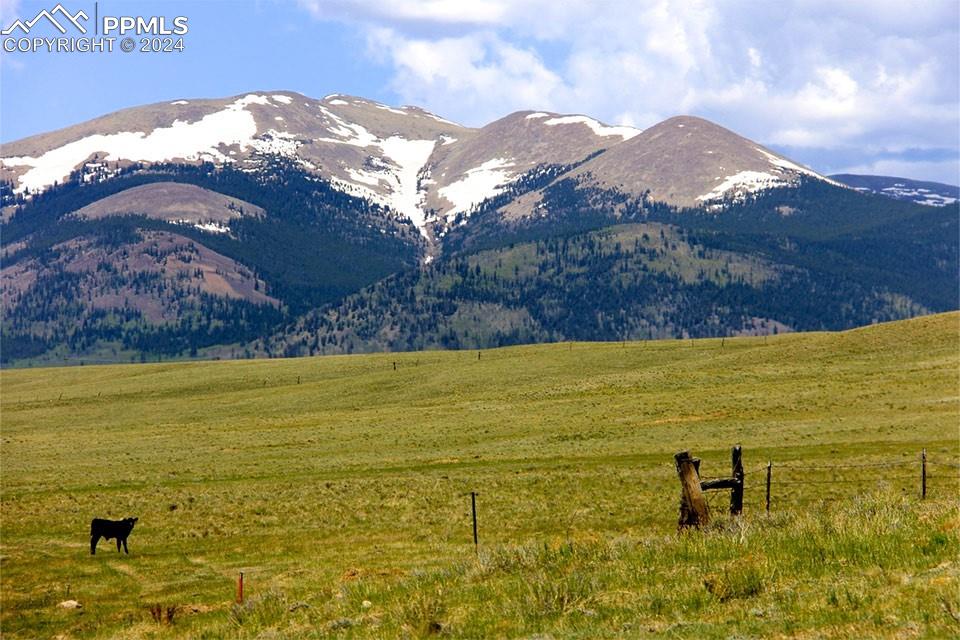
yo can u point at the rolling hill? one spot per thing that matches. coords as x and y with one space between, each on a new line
341 486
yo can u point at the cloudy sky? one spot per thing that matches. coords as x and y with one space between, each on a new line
853 86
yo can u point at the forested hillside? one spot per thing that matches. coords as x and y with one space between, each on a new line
808 258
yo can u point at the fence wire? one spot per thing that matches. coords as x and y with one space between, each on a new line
845 465
952 465
838 473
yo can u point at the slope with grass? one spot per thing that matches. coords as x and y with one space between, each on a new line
340 487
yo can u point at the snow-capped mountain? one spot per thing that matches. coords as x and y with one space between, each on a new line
273 223
362 146
420 165
933 194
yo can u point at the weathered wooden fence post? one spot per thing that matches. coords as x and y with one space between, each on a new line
769 471
736 492
693 506
923 475
473 506
240 588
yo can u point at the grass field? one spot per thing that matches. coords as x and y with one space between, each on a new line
340 487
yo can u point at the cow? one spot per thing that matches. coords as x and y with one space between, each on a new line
119 529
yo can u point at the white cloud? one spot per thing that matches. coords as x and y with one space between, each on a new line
475 74
475 12
817 73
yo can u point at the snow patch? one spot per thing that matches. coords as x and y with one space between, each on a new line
439 119
477 185
744 181
348 133
212 227
178 102
190 141
597 127
538 114
365 177
279 142
783 163
447 140
338 101
919 195
282 99
409 156
390 109
252 98
399 167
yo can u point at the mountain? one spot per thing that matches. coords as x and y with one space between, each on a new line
273 223
415 163
690 161
934 194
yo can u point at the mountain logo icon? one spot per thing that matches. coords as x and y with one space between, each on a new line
73 19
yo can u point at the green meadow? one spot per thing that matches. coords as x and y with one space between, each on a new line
340 487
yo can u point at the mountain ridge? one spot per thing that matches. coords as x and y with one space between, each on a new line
271 223
419 164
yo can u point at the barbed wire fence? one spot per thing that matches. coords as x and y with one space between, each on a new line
792 477
828 482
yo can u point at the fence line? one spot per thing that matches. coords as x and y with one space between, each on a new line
848 465
700 488
952 465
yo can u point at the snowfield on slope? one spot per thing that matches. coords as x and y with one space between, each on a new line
477 185
200 140
596 126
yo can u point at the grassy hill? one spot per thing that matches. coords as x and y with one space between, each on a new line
340 487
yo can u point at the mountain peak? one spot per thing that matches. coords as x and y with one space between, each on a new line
690 161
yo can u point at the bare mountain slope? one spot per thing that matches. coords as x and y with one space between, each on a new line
689 161
173 202
150 275
464 174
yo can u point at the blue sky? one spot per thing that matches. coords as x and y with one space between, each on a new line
858 86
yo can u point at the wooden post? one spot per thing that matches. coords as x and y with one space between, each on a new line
473 506
923 475
693 506
736 493
240 588
394 365
769 471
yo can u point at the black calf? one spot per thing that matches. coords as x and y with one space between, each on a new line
119 529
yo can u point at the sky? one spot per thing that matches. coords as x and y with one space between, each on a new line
857 86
